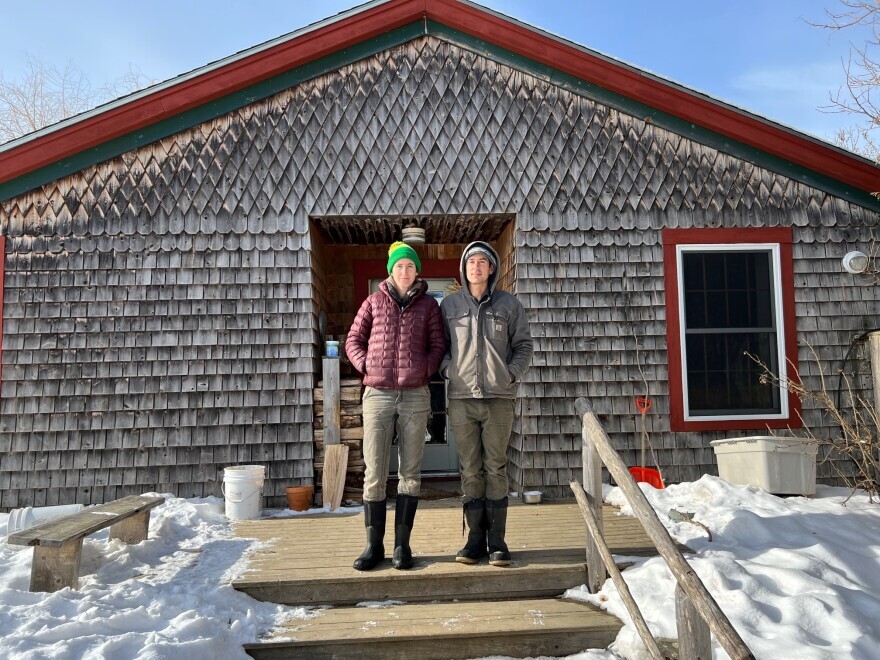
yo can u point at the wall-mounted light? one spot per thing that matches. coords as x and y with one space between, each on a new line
855 262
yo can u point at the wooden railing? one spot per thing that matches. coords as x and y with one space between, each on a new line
696 612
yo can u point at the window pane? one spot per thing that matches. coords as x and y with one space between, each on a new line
729 312
722 379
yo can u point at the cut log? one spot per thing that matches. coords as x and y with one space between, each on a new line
344 434
345 394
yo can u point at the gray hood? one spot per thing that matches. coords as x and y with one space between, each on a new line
493 278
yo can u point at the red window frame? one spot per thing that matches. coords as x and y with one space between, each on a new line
672 238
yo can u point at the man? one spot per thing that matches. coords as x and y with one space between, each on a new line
396 342
488 350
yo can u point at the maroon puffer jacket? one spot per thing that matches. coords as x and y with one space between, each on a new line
397 349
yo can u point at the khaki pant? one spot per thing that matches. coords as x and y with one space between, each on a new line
384 411
482 432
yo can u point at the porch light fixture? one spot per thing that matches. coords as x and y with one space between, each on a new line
413 236
855 262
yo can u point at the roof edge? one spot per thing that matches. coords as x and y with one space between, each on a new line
656 92
204 85
360 24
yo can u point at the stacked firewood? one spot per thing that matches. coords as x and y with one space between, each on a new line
351 433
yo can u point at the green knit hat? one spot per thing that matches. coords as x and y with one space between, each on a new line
400 250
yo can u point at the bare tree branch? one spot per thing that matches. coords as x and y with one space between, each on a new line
858 96
46 95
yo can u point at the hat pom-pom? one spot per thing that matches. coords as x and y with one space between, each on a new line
395 245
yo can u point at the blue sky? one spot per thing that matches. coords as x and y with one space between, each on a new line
761 55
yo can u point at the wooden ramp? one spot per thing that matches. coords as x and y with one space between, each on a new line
513 611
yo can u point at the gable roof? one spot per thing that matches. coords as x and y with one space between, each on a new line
258 72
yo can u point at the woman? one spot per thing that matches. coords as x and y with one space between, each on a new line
396 342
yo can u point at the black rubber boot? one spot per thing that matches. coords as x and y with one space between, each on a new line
475 547
404 515
496 518
374 520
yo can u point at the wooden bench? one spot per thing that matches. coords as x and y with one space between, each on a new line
58 543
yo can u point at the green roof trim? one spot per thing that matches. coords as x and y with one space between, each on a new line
399 36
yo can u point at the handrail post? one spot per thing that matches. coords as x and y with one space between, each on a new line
686 577
592 479
608 560
694 638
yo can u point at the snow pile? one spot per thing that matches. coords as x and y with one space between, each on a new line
797 577
166 597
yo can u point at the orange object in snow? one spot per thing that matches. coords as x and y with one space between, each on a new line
648 476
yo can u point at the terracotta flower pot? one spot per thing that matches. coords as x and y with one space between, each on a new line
299 498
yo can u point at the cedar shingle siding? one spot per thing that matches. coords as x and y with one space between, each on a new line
159 321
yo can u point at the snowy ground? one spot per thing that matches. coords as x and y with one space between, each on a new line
797 577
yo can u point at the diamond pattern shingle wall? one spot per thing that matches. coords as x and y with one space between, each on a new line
158 317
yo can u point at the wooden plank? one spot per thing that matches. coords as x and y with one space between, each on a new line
441 631
331 401
874 344
56 568
345 394
56 533
592 474
694 638
344 434
132 530
539 579
333 478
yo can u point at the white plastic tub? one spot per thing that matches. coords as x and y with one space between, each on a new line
783 466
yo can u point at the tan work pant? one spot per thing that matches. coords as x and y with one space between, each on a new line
384 411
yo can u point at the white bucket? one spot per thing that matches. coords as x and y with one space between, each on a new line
243 490
27 517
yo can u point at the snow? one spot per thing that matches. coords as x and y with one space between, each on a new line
797 577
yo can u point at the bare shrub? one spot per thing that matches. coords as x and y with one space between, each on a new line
856 419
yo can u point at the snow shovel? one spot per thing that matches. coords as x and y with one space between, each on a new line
647 475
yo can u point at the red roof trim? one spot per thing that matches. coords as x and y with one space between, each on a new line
211 85
469 19
674 237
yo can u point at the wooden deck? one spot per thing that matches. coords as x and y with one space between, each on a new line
309 559
450 610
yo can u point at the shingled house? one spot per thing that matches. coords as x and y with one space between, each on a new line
173 259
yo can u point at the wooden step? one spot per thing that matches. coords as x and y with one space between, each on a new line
443 631
530 574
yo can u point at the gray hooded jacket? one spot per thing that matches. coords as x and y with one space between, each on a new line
488 345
